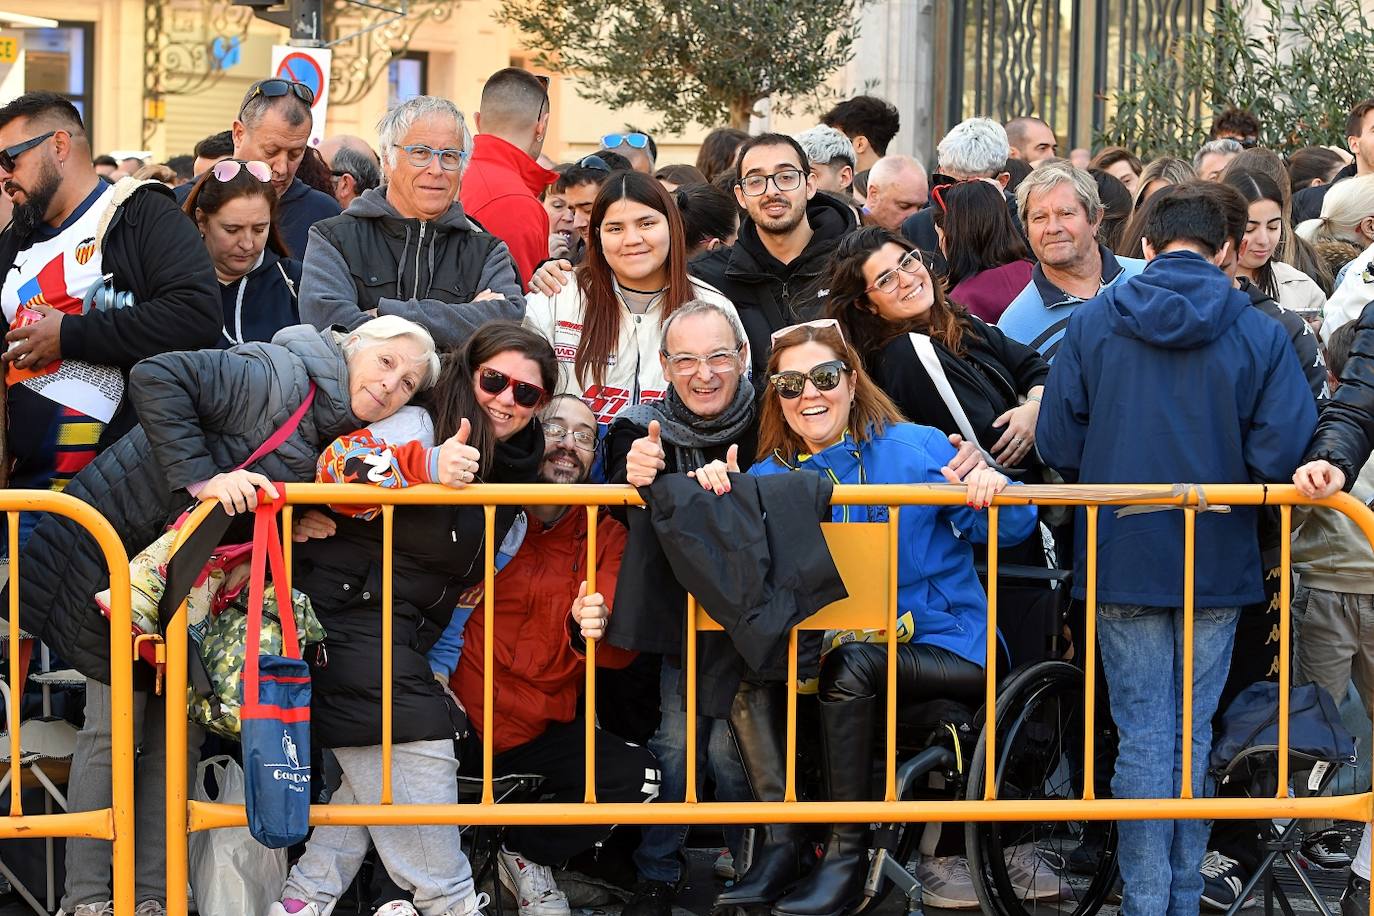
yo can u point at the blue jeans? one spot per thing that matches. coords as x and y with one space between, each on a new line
1159 859
659 856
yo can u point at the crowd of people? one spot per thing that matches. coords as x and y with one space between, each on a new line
430 306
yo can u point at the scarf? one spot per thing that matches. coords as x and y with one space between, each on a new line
687 434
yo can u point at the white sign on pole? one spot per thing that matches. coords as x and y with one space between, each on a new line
311 67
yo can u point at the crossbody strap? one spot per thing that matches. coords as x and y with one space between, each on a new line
925 352
283 433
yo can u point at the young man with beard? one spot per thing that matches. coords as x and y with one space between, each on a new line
773 271
70 230
543 617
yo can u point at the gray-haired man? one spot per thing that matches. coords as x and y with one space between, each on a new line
407 248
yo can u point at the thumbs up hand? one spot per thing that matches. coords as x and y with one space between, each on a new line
646 457
716 475
458 462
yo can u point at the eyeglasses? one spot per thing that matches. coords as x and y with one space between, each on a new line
825 376
634 140
785 180
276 88
420 156
493 381
887 281
820 324
593 162
9 154
228 169
685 364
581 438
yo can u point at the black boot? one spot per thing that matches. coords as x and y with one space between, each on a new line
836 885
757 721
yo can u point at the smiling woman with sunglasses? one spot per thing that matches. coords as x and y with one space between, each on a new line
957 373
477 424
235 209
823 413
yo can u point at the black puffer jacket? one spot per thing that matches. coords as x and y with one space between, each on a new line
1345 427
437 554
202 412
767 293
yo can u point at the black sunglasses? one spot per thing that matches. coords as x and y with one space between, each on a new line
9 154
276 88
825 376
495 382
593 162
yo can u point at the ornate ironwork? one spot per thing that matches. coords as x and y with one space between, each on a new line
152 70
193 27
369 36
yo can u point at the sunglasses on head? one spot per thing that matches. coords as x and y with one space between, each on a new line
228 169
596 163
820 324
494 381
9 154
634 140
276 88
825 376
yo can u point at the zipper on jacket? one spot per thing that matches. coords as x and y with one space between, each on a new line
419 245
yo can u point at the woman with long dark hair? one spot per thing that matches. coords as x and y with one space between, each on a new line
235 208
477 424
882 293
604 325
1267 236
989 263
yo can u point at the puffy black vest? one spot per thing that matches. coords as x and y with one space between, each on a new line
391 258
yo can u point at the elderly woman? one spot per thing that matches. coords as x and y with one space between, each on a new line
823 413
203 413
407 248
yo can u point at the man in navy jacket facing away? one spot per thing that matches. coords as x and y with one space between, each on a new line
1172 377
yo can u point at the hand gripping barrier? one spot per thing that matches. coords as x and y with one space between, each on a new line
864 554
115 823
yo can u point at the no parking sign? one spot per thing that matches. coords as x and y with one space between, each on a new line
311 67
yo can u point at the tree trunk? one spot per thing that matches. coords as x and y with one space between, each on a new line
741 110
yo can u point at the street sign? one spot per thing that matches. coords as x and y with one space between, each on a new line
309 66
9 50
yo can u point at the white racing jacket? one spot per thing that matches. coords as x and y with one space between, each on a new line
634 374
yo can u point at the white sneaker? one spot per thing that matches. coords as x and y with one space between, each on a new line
946 883
279 909
396 908
1032 876
532 886
94 909
473 907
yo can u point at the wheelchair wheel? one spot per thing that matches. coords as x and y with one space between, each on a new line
1039 745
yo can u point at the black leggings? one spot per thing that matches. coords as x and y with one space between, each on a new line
858 670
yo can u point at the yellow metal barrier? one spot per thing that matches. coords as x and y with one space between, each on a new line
115 823
865 554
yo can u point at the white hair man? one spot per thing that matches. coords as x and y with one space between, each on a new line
974 148
407 248
832 158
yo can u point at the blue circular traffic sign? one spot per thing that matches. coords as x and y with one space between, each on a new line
302 68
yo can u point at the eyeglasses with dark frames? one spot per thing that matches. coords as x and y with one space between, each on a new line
784 180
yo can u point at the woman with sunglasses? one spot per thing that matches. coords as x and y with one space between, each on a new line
988 261
477 424
235 208
823 413
605 324
882 294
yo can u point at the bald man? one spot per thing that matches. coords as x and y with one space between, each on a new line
502 184
897 188
353 164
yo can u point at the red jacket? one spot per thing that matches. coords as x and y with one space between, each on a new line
539 675
501 189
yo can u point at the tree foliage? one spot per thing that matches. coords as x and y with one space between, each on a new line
1300 72
709 61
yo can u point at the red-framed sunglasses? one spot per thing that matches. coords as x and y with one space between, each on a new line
493 381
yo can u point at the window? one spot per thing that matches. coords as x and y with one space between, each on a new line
62 60
407 76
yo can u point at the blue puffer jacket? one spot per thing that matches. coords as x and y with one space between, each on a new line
936 580
1172 377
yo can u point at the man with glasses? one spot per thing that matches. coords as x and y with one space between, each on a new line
67 362
638 148
543 616
273 126
772 273
504 181
408 247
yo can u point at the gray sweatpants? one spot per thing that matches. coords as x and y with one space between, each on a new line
425 860
88 789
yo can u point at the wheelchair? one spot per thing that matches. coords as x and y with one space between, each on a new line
1039 732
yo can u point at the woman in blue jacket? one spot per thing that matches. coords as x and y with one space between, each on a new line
823 413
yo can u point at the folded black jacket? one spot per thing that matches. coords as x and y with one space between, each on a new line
756 560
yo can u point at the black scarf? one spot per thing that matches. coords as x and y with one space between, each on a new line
517 459
690 434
